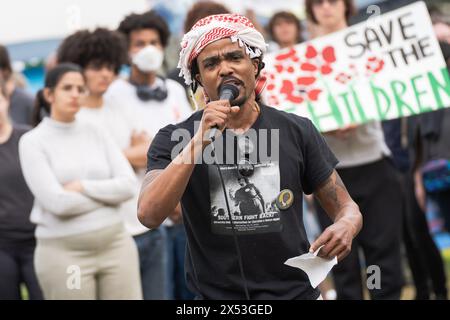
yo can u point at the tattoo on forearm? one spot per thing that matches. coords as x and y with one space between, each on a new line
340 183
328 192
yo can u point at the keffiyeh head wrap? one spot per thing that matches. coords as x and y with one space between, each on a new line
212 28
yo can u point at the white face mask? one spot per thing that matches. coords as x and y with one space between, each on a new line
148 59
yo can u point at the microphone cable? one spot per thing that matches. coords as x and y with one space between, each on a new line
236 243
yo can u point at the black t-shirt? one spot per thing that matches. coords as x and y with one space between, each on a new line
16 200
267 236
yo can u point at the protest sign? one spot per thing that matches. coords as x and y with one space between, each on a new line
387 67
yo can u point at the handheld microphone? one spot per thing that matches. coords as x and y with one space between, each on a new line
228 92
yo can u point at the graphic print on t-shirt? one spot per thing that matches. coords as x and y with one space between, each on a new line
251 197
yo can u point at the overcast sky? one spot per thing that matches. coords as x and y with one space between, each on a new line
24 20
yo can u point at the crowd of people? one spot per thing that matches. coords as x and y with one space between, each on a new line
74 158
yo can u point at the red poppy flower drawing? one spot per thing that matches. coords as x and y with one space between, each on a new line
299 93
311 52
270 87
289 55
279 68
273 101
374 65
303 74
343 78
300 83
316 62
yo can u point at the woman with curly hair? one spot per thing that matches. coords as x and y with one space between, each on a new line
100 54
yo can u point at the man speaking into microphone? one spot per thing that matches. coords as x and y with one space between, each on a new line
233 250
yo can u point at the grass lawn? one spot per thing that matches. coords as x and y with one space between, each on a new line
408 292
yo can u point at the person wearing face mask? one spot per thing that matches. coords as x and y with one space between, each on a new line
79 179
152 102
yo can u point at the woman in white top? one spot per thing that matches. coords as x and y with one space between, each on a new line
79 178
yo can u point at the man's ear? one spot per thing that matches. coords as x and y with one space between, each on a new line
255 63
198 78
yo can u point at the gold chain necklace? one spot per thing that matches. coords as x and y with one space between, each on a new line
257 108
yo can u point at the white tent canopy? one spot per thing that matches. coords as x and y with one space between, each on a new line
30 20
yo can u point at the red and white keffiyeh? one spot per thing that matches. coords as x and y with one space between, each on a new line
212 28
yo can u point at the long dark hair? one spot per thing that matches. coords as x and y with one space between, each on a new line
4 93
288 17
5 63
3 87
41 105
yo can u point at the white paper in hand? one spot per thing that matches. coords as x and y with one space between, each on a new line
315 267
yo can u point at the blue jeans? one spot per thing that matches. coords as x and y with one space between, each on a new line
176 249
153 263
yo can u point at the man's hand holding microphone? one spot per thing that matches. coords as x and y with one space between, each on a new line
217 113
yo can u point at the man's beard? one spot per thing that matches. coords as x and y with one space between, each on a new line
239 102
